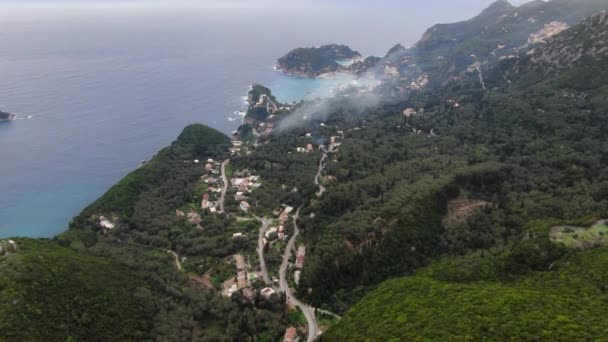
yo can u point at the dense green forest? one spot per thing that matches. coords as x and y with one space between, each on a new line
314 61
534 290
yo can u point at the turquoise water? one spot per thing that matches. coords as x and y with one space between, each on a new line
289 88
105 92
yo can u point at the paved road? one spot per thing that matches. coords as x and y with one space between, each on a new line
318 176
225 187
263 269
309 312
176 257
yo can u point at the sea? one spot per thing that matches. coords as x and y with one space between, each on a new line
99 87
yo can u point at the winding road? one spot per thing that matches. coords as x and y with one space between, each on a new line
265 223
176 257
318 176
225 186
308 311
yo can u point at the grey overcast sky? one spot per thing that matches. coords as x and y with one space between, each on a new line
380 23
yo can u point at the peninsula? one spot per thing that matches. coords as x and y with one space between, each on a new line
315 61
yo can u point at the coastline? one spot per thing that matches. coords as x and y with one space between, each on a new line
5 117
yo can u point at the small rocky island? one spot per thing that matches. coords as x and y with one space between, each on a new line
4 116
315 61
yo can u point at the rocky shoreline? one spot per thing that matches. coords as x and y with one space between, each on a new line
4 116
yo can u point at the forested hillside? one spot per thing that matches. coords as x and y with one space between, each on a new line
532 291
525 151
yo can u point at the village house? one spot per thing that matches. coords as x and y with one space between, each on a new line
296 277
281 233
237 236
244 187
211 180
267 292
283 217
300 257
208 167
240 262
309 148
241 280
180 213
237 143
194 217
229 287
244 206
270 232
291 335
205 201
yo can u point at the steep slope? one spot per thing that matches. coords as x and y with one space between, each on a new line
451 52
586 43
166 170
53 293
113 275
536 147
493 298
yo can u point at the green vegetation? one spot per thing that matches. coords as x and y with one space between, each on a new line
315 61
581 237
531 147
493 297
53 293
166 171
203 140
138 278
257 90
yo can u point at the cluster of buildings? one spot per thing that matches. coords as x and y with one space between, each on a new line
244 182
241 281
212 178
238 147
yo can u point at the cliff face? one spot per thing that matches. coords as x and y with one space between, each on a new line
312 62
587 41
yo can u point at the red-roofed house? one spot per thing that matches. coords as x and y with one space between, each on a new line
205 201
291 334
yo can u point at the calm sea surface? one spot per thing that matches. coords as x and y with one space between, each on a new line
108 88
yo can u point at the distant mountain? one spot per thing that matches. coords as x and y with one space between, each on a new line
314 61
583 44
448 52
579 53
549 271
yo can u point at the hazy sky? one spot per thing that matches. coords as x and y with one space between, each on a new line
381 23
